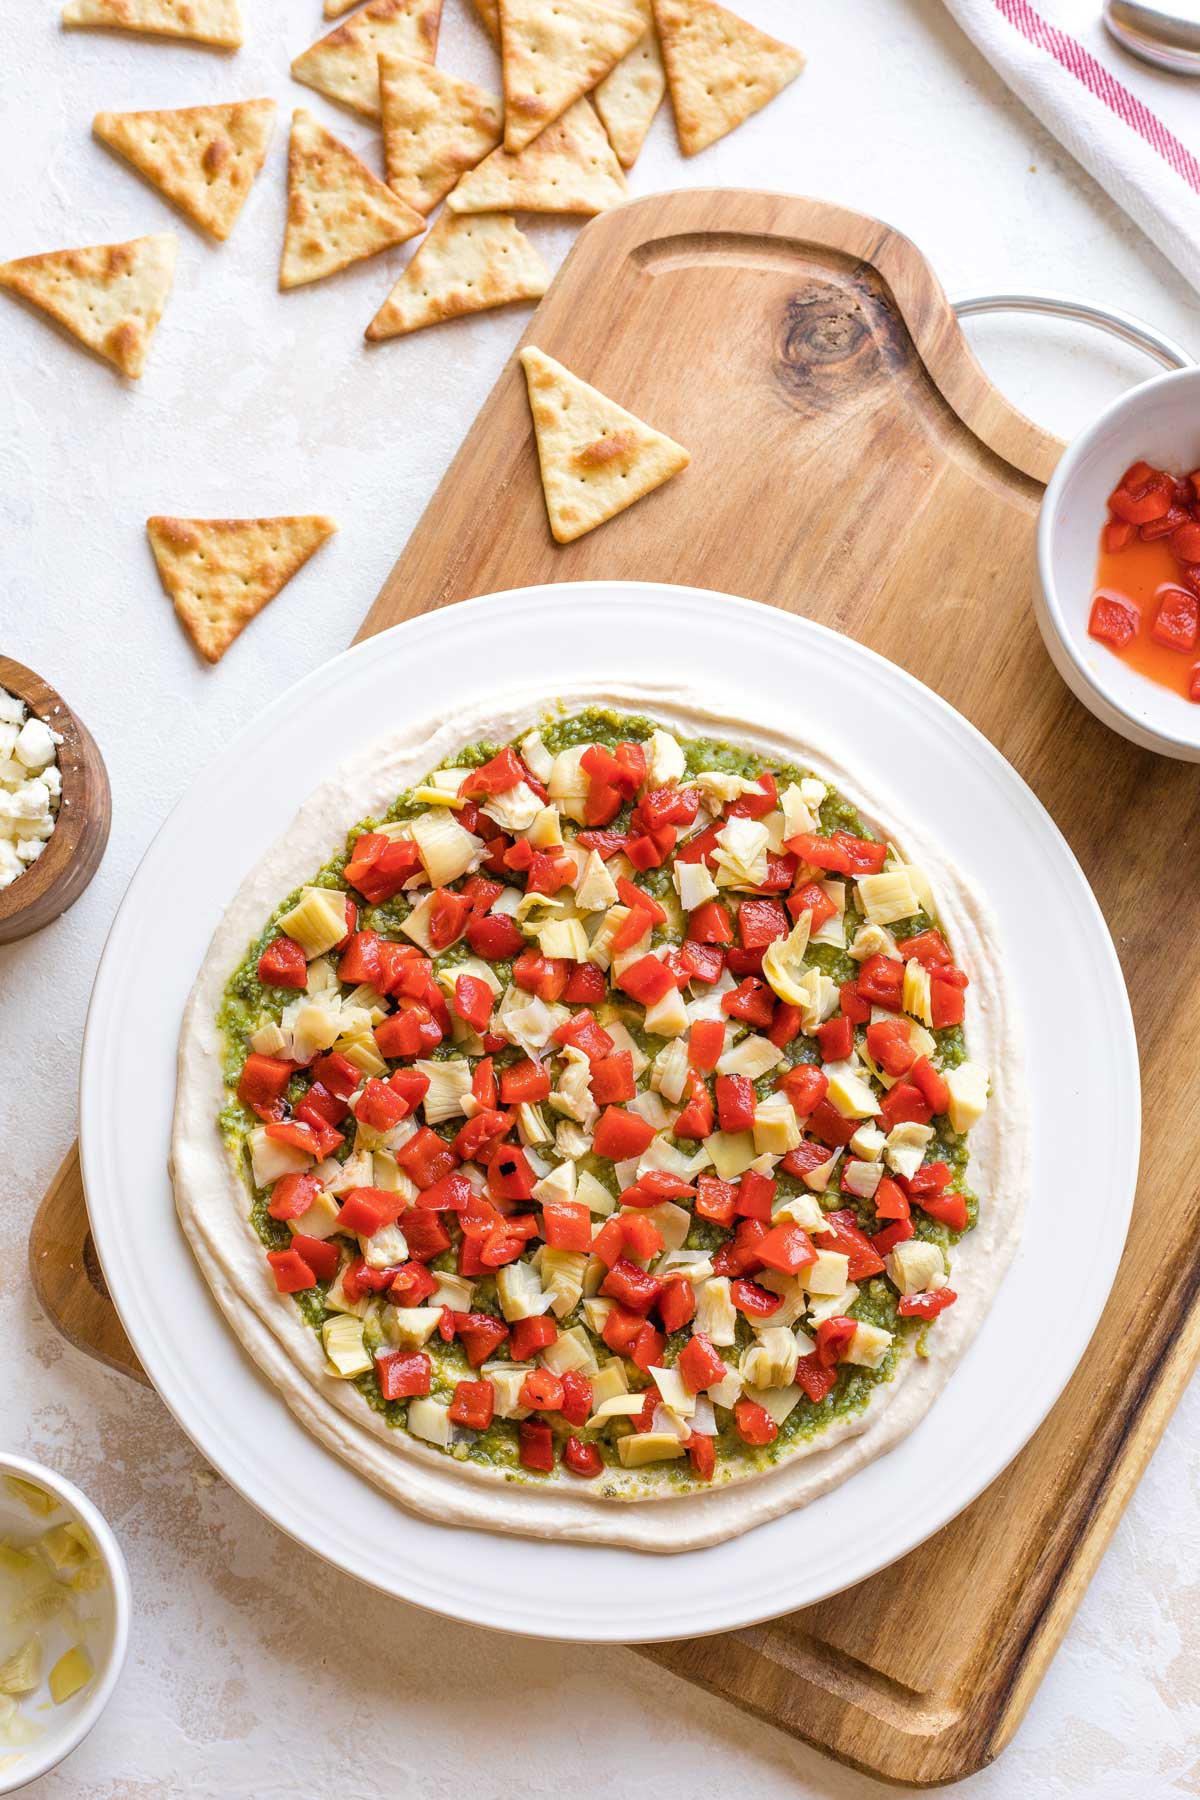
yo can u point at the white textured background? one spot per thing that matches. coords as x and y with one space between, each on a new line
254 1670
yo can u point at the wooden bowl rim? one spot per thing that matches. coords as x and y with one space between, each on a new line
56 863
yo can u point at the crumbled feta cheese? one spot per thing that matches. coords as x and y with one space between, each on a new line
30 787
35 745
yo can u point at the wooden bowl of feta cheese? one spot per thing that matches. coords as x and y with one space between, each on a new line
55 804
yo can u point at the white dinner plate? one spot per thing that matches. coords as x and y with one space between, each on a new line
1068 994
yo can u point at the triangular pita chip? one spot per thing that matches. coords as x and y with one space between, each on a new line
468 263
553 52
220 572
338 210
628 98
596 458
435 126
216 22
720 69
335 8
568 168
489 15
345 64
204 158
110 296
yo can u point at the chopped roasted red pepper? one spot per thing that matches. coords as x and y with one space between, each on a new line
473 1404
283 964
754 1423
926 1306
403 1373
698 1364
621 1135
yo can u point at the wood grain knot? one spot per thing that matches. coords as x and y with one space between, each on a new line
828 346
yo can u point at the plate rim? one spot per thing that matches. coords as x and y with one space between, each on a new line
728 1616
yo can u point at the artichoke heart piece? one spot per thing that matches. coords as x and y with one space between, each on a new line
776 1127
568 783
595 890
778 1401
268 1040
917 997
67 1547
562 1275
315 1025
693 884
520 1292
564 938
665 762
360 1048
916 1267
408 1327
21 1672
887 897
670 1072
270 1159
716 1315
827 1275
559 1184
35 1499
447 851
667 1018
72 1671
833 929
430 1419
771 1362
674 1394
618 1405
317 921
848 1091
536 757
449 1083
755 1055
968 1085
732 1152
594 1195
643 1447
571 1349
515 809
783 963
868 1346
741 853
546 831
609 1381
342 1337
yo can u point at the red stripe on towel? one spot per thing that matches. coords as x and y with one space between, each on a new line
1104 86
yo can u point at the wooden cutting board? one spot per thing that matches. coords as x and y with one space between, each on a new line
853 463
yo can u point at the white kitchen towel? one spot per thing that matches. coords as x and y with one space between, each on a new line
1134 128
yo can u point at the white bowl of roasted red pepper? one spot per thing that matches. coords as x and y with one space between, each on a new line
1118 598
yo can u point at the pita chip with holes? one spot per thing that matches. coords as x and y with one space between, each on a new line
720 69
596 459
111 296
217 22
345 64
204 158
435 127
339 211
468 263
569 168
628 97
335 8
220 572
553 52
